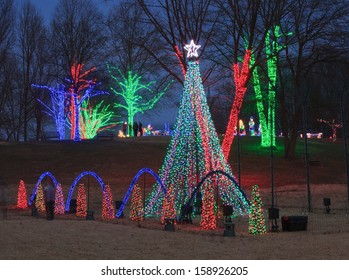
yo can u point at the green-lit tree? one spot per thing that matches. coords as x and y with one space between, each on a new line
267 121
133 93
256 224
94 119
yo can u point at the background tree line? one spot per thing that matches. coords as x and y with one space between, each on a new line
148 37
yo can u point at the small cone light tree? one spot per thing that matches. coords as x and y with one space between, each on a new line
81 205
108 211
39 200
59 200
256 224
208 215
137 211
168 208
22 202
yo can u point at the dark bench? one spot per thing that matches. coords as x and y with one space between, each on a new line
312 161
50 135
105 135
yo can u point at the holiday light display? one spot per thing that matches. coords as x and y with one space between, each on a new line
168 208
75 182
192 49
180 59
242 130
208 215
94 119
56 109
193 152
251 128
81 206
241 77
334 126
22 196
108 211
137 211
42 176
129 88
134 182
59 200
39 200
272 48
256 224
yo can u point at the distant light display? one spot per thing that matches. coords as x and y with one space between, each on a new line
130 89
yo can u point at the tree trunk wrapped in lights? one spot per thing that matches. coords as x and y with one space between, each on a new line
137 211
108 211
22 202
39 200
256 224
59 200
241 77
194 151
81 205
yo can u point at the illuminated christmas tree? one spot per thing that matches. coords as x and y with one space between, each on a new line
22 202
208 215
59 200
39 200
137 211
81 205
108 211
168 208
194 151
256 224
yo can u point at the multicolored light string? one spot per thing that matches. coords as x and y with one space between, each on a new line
81 205
137 211
256 223
59 200
39 200
108 210
193 152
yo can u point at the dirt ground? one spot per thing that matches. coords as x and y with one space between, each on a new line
67 237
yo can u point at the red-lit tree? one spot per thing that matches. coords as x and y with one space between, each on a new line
22 202
39 200
59 200
241 77
137 210
81 205
108 211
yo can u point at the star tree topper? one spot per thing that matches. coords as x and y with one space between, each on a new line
192 49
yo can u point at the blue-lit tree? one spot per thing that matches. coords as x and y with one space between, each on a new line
56 109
